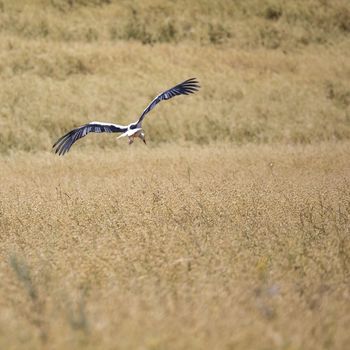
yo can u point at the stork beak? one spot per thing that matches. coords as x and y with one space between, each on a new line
144 141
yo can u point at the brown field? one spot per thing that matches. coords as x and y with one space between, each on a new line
230 230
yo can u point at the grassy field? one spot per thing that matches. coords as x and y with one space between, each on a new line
230 229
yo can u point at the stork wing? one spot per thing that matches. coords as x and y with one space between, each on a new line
64 143
187 87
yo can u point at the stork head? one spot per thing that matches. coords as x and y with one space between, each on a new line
142 137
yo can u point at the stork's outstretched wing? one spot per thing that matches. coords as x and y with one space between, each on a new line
64 143
187 87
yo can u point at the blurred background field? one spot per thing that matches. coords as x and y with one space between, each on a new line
230 230
271 71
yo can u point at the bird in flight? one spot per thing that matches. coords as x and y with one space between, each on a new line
133 130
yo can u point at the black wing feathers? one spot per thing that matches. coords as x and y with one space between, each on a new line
187 87
64 143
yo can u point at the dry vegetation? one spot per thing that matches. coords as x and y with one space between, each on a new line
233 235
197 247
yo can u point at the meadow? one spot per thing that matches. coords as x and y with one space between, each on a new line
230 229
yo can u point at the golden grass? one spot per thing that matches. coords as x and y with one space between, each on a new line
177 248
260 96
293 93
230 230
250 24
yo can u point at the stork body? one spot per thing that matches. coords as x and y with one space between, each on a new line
133 130
132 133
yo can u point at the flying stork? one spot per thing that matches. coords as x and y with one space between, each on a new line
132 130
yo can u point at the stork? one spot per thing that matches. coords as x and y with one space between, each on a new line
133 130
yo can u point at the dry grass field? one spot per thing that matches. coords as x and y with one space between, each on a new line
230 229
